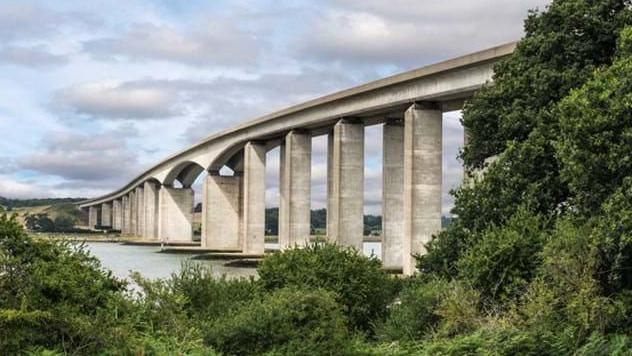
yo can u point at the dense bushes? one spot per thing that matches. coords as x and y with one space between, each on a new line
359 283
286 321
504 259
432 308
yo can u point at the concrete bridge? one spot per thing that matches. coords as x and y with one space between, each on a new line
158 204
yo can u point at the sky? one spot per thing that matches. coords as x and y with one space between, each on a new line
94 92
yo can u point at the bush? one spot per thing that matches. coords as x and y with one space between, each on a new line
359 283
287 321
208 297
53 290
414 317
502 262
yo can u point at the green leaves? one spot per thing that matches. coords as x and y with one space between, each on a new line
358 282
595 142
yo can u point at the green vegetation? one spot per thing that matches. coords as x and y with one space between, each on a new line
537 261
10 204
358 282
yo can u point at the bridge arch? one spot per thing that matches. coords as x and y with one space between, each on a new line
184 172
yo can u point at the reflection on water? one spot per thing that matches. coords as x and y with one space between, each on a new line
123 259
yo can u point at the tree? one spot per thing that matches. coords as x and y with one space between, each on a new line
515 119
595 143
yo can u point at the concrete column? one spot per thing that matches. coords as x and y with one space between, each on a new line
422 180
150 204
254 196
392 195
106 214
221 211
345 215
175 214
93 217
117 215
295 189
127 215
133 213
140 208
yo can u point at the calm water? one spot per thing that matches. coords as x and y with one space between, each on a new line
123 259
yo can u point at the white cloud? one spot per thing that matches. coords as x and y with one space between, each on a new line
35 56
409 32
211 42
113 100
101 159
23 189
26 20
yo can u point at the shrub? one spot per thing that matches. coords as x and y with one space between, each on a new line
288 321
359 283
415 315
502 262
495 341
209 297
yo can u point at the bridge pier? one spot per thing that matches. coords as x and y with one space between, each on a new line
392 194
422 179
253 199
127 215
345 184
93 216
295 189
175 214
150 204
140 211
221 211
117 215
133 209
106 214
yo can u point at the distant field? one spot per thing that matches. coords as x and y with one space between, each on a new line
52 211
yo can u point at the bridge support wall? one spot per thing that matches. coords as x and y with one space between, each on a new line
133 213
140 211
422 179
93 216
392 194
295 189
106 214
150 223
253 210
345 184
221 211
175 214
117 215
127 215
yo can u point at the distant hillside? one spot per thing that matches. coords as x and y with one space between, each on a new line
52 208
20 203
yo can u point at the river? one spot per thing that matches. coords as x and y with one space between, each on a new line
123 259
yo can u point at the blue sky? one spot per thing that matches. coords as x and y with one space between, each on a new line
93 92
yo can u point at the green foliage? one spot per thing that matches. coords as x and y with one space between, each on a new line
504 259
285 322
613 238
595 143
51 286
561 48
516 121
414 317
430 309
43 223
359 283
208 297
